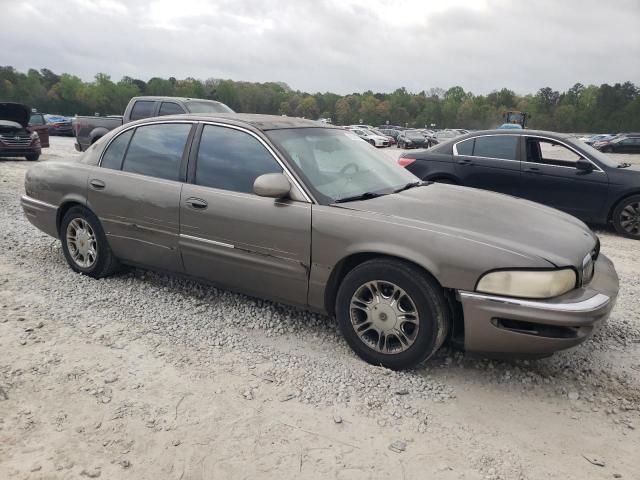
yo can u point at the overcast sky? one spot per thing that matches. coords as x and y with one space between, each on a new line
332 45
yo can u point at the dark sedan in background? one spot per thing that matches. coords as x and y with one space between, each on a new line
623 143
413 139
59 125
550 168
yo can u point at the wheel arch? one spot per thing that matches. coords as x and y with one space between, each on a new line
351 261
621 199
65 206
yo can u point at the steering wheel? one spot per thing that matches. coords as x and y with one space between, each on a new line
355 167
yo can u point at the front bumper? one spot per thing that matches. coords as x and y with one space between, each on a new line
494 324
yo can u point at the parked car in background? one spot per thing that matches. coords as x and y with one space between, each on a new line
597 138
551 168
391 138
59 125
370 137
296 212
413 139
89 130
38 124
390 132
445 135
622 143
17 137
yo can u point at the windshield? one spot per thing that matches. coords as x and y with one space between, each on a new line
207 107
598 155
337 164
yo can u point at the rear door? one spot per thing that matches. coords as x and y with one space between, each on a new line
233 237
136 193
38 124
490 162
549 176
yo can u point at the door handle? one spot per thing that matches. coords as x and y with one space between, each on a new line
532 170
197 203
465 162
97 184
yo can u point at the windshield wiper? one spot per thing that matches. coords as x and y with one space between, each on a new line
411 185
624 165
362 196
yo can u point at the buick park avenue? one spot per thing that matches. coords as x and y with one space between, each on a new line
310 215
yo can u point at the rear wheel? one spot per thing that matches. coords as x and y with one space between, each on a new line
392 314
626 217
85 245
32 157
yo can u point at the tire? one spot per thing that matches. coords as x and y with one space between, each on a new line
103 263
32 157
626 217
419 294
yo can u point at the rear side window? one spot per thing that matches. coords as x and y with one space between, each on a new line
142 109
229 159
170 108
465 148
498 146
156 150
112 158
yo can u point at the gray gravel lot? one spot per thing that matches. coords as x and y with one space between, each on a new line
148 376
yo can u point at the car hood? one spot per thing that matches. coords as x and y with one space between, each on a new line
15 112
478 216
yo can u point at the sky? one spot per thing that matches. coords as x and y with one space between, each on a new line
341 46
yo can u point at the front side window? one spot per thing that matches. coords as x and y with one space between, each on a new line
170 108
230 159
142 109
156 150
496 146
112 158
548 152
337 164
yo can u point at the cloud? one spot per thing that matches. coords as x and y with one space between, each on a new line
332 45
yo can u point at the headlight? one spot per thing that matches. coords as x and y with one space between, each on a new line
34 136
528 283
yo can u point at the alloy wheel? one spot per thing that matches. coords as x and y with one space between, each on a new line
630 218
82 243
384 316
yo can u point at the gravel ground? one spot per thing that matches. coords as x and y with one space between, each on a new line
148 376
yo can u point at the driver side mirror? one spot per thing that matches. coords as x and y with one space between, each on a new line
272 185
584 165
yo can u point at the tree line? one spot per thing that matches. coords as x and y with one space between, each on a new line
582 108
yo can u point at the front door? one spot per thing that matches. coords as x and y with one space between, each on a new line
489 162
234 238
549 176
136 194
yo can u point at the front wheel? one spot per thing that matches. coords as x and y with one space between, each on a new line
392 314
85 245
626 217
33 157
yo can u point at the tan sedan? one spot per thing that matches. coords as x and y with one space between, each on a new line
310 215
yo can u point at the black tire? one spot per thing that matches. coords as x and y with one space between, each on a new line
434 316
32 157
105 262
628 210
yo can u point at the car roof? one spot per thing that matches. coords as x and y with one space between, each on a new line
520 131
255 120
